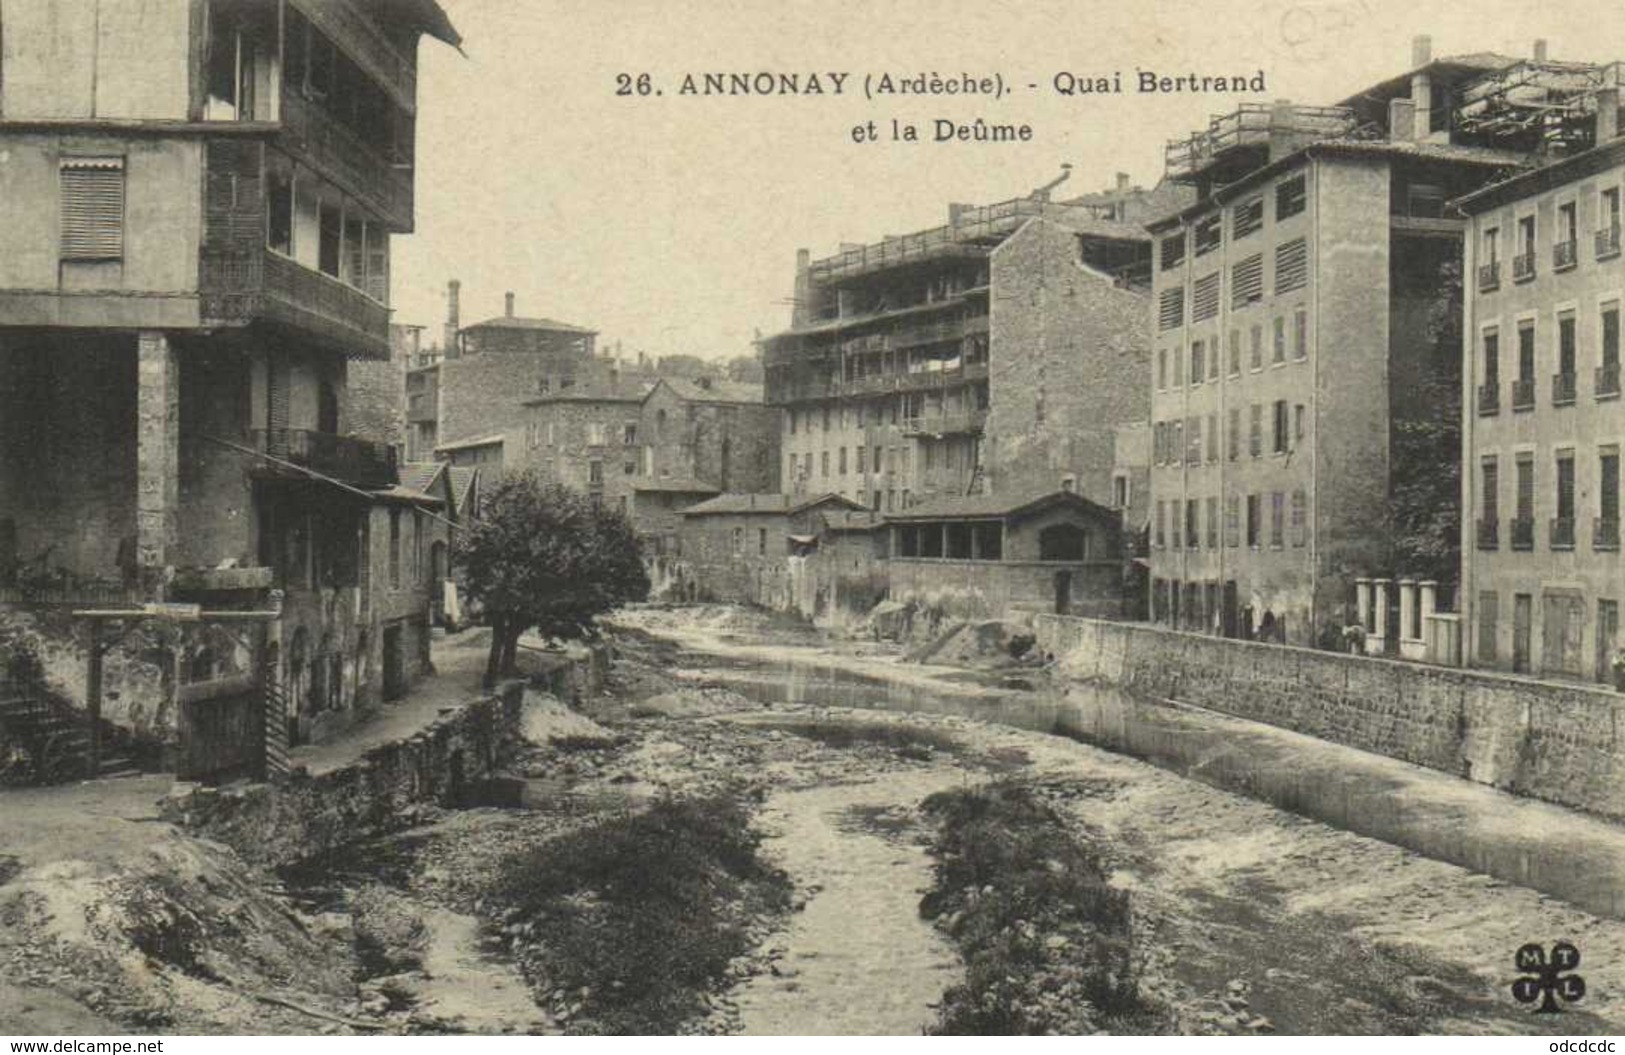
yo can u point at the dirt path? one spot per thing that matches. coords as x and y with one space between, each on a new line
465 986
858 960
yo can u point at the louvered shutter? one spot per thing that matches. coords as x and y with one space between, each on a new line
92 208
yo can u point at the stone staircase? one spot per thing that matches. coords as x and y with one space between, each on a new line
54 740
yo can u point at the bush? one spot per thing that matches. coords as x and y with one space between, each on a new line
1045 938
637 917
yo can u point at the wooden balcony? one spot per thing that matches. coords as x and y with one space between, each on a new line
361 463
366 43
968 423
319 140
1251 125
243 286
971 231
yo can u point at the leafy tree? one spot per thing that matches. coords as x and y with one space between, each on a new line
745 368
542 556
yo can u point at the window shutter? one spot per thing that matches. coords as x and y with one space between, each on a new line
92 208
1291 265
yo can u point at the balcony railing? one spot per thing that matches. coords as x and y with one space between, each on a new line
970 226
1565 255
1489 276
1489 400
1251 125
1523 533
339 154
1563 389
914 381
1607 380
1523 394
1489 533
1523 266
915 336
967 423
1608 242
239 286
1562 532
1605 533
362 463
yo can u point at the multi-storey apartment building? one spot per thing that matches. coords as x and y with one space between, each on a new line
995 353
195 215
1542 578
1305 338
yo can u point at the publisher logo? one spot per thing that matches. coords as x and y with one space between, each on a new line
1548 978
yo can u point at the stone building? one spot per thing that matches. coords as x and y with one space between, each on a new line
375 389
737 547
651 448
1542 577
984 556
195 219
995 353
1305 311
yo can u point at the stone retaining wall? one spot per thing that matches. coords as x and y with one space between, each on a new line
1549 740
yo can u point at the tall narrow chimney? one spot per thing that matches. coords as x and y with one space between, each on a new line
507 299
454 318
1421 50
1540 50
1122 181
800 309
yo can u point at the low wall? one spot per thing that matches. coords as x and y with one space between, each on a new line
990 589
1548 740
306 816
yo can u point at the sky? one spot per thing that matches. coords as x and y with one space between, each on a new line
670 222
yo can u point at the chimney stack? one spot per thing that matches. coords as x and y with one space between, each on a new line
454 319
1607 115
1122 181
800 310
1421 50
1540 50
508 302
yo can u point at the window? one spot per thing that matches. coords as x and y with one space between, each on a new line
1179 366
877 459
1193 514
629 435
1523 265
1610 335
1300 518
791 419
1489 603
1526 351
1300 333
1277 519
1255 434
394 549
1120 490
1161 536
1281 436
279 214
1256 356
1563 528
826 422
761 542
1198 367
1291 197
739 541
329 238
596 434
595 471
823 463
1171 309
1212 523
629 467
842 461
1209 235
1524 527
1492 359
1247 218
1193 439
1232 521
1162 369
1252 521
1247 281
1297 424
1279 347
1172 250
92 192
1607 531
1205 297
1235 433
1235 353
1489 474
1563 386
1213 437
1565 251
1291 266
862 458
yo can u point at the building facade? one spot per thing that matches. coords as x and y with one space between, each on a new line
1306 350
1542 578
195 220
996 352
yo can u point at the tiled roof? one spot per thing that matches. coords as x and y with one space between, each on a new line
482 441
996 506
463 480
519 322
420 476
686 485
624 390
763 503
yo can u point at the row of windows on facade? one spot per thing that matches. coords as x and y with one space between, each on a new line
1170 531
318 554
1246 286
1246 218
869 460
1565 382
1187 442
1205 355
322 229
908 406
595 433
1561 530
926 348
1563 620
1565 240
